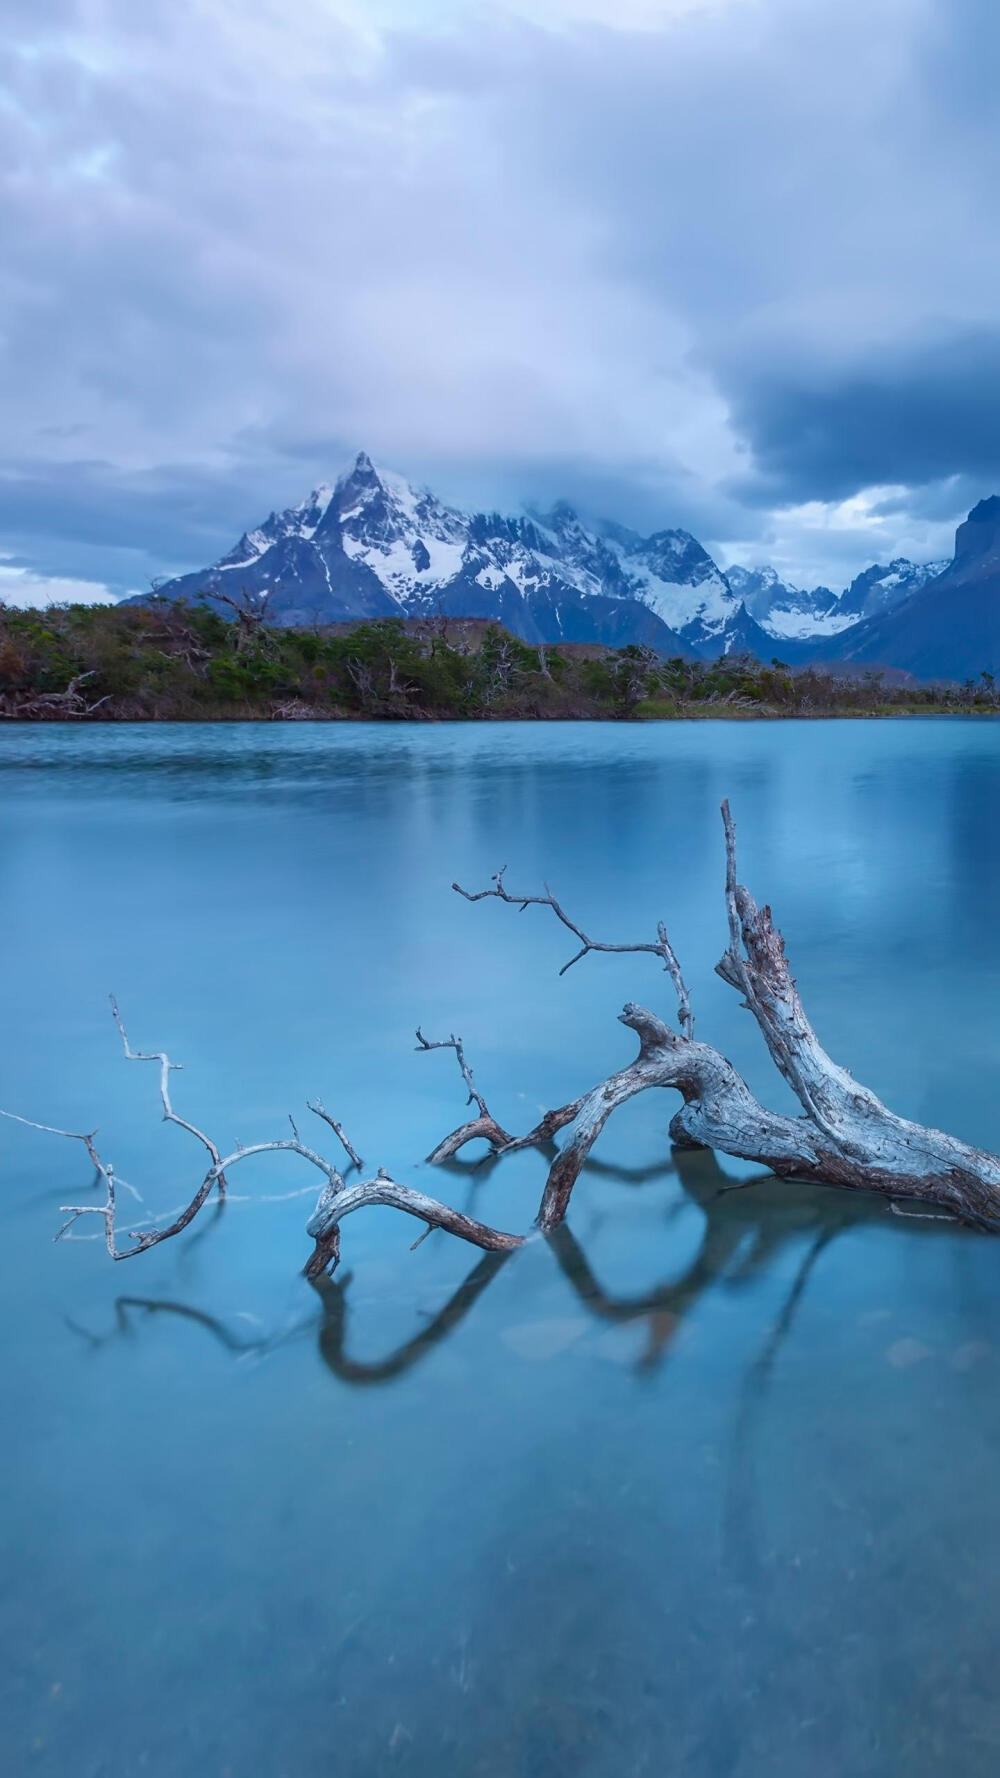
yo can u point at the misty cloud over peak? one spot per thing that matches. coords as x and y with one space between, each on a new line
730 266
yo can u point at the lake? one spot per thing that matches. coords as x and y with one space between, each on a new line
704 1486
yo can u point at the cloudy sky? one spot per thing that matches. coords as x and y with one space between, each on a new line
726 264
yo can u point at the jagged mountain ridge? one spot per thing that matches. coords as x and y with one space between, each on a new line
373 545
793 613
784 611
950 627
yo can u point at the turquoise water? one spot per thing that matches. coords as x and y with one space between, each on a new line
706 1486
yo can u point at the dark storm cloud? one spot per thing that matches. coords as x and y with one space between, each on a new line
910 414
723 270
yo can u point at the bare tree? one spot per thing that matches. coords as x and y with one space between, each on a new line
55 705
500 663
632 674
251 616
844 1136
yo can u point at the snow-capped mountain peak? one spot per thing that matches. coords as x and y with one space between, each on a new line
401 533
672 574
879 588
374 544
295 521
784 611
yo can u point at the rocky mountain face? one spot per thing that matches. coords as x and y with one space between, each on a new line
784 611
949 627
879 590
795 614
372 545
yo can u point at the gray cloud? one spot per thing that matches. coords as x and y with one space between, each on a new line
910 413
730 270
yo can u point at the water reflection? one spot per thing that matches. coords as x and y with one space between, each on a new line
747 1229
739 1523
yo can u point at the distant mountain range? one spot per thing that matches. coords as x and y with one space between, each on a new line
950 627
372 545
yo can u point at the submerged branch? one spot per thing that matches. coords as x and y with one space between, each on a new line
846 1137
324 1223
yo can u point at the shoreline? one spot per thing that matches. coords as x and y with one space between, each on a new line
177 663
709 713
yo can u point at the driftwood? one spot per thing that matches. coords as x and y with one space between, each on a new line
743 1235
844 1136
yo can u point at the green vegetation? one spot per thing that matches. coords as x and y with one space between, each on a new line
174 662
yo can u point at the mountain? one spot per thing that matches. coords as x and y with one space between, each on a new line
372 545
791 614
950 627
785 611
878 590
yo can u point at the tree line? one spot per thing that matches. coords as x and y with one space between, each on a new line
185 662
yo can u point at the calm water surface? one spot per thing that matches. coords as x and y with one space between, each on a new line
707 1486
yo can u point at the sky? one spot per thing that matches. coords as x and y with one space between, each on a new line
731 265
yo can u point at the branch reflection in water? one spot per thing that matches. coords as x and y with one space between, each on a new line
746 1229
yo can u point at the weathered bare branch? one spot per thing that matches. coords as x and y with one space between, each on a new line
846 1136
455 1043
70 703
317 1106
334 1205
167 1067
662 948
860 1135
251 610
164 1230
102 1170
336 1201
484 1127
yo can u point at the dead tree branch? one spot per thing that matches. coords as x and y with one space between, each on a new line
251 616
662 948
319 1110
844 1137
334 1205
167 1067
215 1177
485 1126
70 704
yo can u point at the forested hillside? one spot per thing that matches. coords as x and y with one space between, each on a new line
186 663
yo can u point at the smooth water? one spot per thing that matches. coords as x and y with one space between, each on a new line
708 1486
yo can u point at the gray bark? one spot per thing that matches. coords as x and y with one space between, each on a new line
844 1137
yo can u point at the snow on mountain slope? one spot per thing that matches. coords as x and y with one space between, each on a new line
949 627
784 611
409 540
676 578
791 625
790 613
373 545
879 589
298 521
